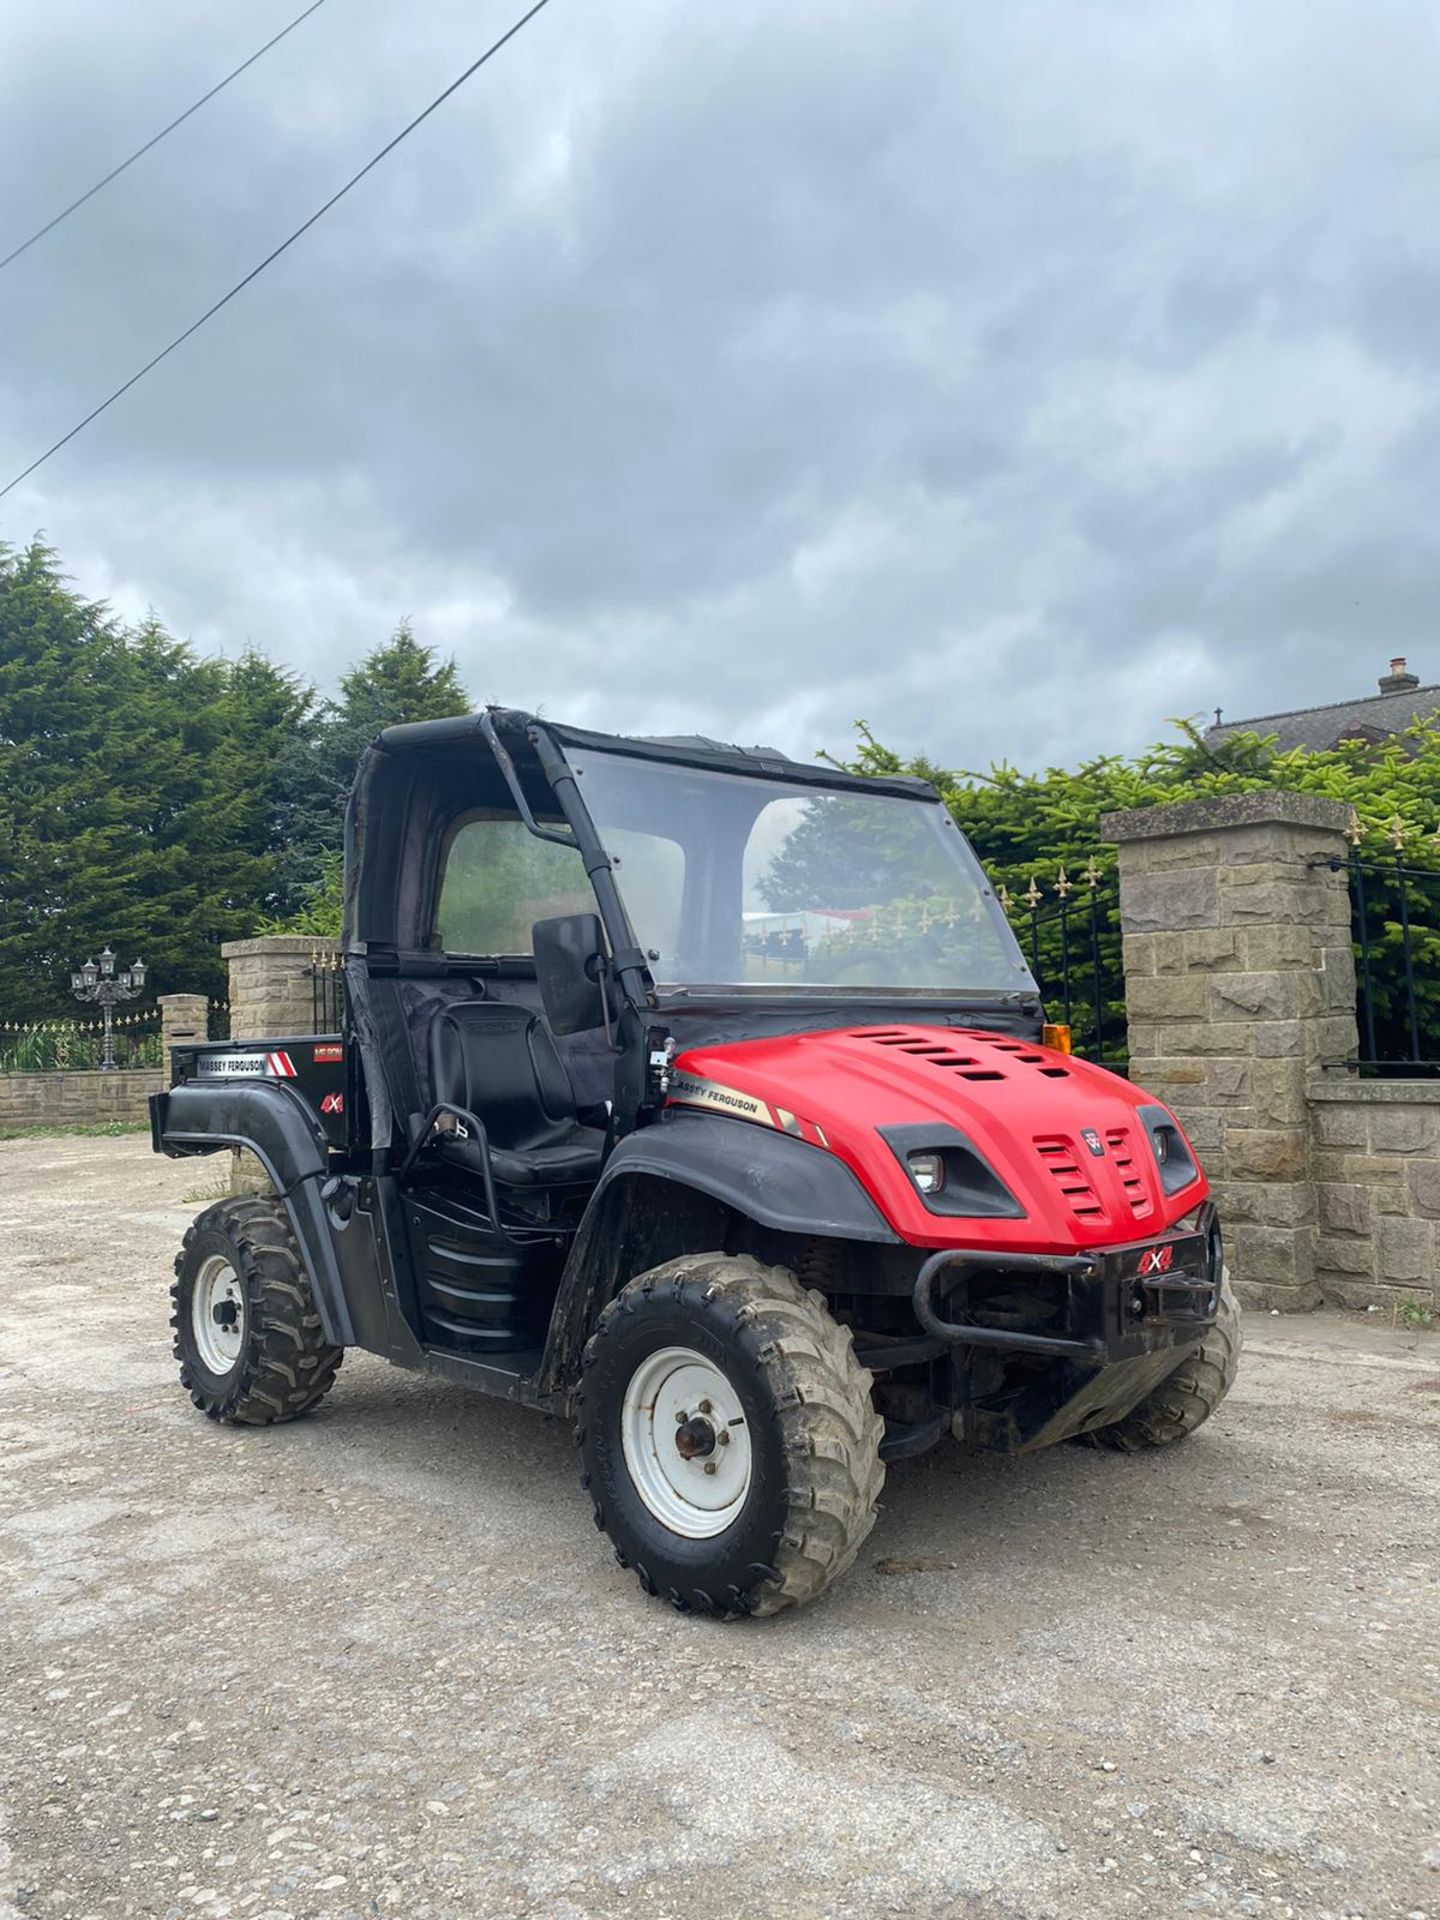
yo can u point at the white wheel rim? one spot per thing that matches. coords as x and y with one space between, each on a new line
217 1314
686 1442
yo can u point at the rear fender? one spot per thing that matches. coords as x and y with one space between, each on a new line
672 1188
273 1122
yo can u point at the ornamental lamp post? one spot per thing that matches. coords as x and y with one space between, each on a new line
105 988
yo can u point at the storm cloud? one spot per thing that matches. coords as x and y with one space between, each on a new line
1012 378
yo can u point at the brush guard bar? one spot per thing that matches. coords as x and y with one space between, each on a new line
1166 1286
967 1333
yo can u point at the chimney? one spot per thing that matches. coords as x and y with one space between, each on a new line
1398 679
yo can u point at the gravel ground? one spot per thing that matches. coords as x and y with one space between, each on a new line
379 1662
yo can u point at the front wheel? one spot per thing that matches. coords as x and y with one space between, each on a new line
727 1436
247 1333
1186 1398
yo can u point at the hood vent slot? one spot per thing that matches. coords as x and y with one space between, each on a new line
943 1053
928 1046
937 1053
1024 1055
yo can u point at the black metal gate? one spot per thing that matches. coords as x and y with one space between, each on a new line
327 992
1073 945
1395 925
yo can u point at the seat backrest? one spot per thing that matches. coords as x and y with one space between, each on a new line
500 1061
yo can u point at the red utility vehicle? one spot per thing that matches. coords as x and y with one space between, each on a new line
701 1097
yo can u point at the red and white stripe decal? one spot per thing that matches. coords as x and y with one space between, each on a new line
281 1065
803 1129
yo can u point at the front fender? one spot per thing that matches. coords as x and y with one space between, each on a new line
775 1178
770 1177
274 1123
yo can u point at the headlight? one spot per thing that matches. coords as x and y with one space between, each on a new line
950 1174
1162 1144
927 1170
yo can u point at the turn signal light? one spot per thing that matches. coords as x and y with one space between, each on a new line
1058 1037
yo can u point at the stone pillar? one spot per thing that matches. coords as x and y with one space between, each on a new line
184 1021
271 984
272 996
1240 981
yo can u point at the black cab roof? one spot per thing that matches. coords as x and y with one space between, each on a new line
693 749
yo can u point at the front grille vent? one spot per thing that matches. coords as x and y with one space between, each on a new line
1059 1155
1117 1139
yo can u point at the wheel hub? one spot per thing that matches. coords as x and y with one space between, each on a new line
217 1314
695 1439
686 1442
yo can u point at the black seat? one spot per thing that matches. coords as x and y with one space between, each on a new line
500 1062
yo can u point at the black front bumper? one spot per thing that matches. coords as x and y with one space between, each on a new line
1107 1305
1024 1350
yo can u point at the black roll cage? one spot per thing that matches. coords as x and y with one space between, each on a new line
404 798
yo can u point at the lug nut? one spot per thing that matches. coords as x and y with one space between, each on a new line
705 1406
681 1417
724 1436
709 1466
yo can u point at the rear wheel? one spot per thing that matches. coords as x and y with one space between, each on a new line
727 1436
1186 1398
247 1334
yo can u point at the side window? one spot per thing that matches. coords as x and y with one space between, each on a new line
498 881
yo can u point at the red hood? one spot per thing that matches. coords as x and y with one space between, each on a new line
1025 1109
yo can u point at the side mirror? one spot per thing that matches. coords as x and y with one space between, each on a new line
570 967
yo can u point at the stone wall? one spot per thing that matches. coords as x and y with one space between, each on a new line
100 1099
1376 1165
76 1099
1240 985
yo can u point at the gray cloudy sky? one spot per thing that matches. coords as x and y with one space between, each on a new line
1012 377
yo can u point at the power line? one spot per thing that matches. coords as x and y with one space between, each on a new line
115 172
270 258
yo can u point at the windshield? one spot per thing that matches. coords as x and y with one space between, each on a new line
738 881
